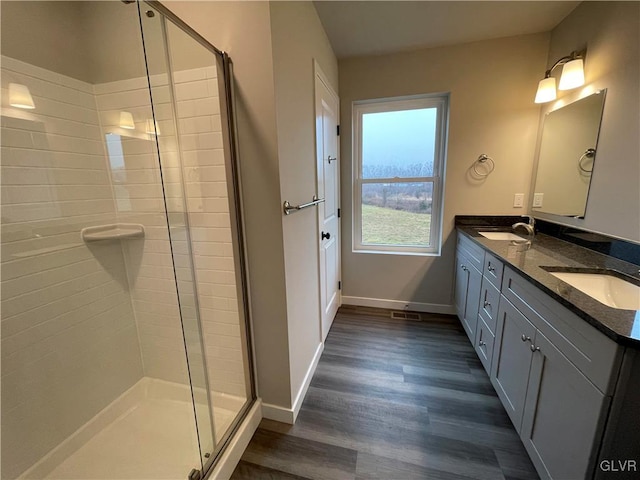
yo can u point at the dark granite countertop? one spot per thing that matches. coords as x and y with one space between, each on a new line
623 326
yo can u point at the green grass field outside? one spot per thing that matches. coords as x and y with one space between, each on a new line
387 226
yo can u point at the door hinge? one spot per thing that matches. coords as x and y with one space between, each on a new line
338 130
339 285
338 213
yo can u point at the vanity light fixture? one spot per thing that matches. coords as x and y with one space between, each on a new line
126 121
572 77
20 97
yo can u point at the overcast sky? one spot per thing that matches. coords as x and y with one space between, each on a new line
399 138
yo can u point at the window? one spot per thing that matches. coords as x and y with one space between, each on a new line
399 157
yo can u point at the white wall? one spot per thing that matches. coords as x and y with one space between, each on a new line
610 31
298 38
492 84
37 31
69 341
95 31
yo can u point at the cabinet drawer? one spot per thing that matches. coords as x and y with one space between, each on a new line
593 353
484 343
493 270
475 253
489 300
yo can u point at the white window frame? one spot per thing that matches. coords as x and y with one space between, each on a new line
440 101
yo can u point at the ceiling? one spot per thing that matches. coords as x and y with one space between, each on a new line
377 27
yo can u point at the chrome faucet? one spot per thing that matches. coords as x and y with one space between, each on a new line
529 226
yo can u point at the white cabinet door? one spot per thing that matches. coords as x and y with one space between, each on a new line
470 320
462 282
467 294
562 415
512 359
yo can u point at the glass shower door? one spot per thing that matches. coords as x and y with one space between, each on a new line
201 185
162 126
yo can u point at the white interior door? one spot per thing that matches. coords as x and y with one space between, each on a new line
328 188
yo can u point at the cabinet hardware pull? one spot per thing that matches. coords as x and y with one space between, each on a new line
482 344
490 268
524 338
534 348
463 267
487 304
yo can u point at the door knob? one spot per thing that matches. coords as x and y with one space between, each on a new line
325 235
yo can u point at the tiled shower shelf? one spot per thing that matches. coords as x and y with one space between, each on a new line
114 231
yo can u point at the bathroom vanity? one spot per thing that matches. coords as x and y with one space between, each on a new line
564 365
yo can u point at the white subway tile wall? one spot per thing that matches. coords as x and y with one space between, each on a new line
82 323
69 340
197 186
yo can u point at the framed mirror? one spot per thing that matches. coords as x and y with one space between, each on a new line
567 157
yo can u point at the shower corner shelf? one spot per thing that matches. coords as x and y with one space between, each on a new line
113 231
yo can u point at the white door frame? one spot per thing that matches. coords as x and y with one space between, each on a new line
320 75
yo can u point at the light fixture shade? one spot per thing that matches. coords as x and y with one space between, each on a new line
572 75
20 97
126 121
546 90
152 127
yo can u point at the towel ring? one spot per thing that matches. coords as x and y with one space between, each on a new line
588 153
482 159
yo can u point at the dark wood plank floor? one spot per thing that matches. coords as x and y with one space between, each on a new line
393 400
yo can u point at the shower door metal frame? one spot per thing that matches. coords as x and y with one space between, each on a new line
232 170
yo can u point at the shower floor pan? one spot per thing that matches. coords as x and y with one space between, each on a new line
146 433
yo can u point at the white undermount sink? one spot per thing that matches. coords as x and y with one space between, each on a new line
612 291
501 236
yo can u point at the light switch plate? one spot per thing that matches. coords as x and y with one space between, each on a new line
518 200
537 200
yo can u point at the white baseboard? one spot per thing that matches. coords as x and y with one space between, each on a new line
289 415
399 305
229 460
307 380
277 413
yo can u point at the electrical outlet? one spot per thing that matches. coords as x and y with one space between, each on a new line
518 200
537 200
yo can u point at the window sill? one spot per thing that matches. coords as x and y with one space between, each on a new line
395 252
